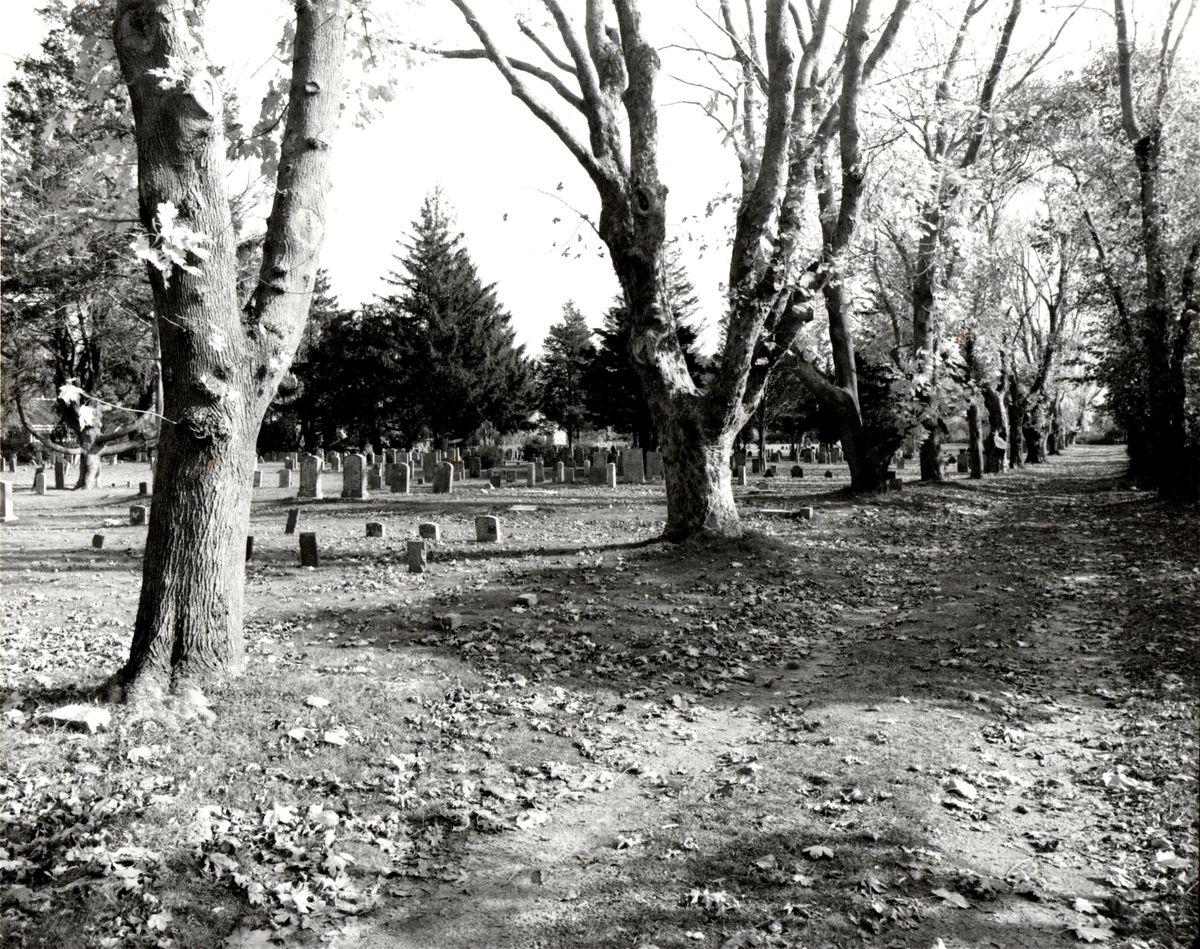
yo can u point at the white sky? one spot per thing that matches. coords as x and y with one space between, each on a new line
454 124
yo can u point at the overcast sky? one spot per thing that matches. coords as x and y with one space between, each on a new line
512 185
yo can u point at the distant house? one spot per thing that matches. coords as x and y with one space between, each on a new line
42 418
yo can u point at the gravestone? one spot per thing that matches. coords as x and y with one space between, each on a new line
610 475
654 466
632 468
334 461
569 474
258 479
98 541
828 474
285 477
596 474
310 477
6 503
460 471
496 477
599 459
289 463
309 557
354 477
797 471
249 547
806 513
60 475
443 478
539 471
417 556
399 478
739 460
375 529
487 528
429 466
293 516
560 473
475 466
137 514
531 474
39 481
755 465
429 531
374 478
964 462
10 464
741 476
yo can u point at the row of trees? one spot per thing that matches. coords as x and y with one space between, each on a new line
948 227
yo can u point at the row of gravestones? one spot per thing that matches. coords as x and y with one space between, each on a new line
417 552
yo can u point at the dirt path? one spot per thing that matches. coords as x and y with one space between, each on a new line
963 713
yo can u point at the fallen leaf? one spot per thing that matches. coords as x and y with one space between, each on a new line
952 898
1092 933
91 717
817 852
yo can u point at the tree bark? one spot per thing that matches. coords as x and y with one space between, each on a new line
996 443
221 364
974 441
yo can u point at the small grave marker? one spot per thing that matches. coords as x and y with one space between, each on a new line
417 556
429 531
487 528
375 529
97 541
137 514
249 547
6 502
293 516
308 550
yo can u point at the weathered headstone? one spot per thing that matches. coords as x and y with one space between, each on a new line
805 513
417 556
429 466
399 478
569 474
354 477
10 464
797 471
610 475
742 480
429 531
334 461
375 529
443 478
285 477
309 557
632 468
289 463
310 477
539 471
474 466
6 503
964 462
249 547
138 514
460 471
143 489
257 479
374 478
496 477
654 466
39 481
828 474
487 528
531 474
560 473
97 541
60 475
597 474
293 517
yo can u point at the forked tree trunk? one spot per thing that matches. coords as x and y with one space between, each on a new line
221 364
89 471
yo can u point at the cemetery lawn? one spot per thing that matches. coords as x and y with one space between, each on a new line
958 716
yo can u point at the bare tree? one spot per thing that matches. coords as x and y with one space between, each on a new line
772 285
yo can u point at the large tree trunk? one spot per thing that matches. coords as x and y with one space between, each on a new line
996 443
932 468
974 441
696 467
221 363
189 620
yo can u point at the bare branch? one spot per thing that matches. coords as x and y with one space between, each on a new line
520 65
541 44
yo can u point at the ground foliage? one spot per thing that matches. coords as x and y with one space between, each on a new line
956 716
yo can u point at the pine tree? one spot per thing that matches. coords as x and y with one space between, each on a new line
454 343
614 391
568 352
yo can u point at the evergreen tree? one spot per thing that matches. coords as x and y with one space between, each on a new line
568 352
454 343
614 390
